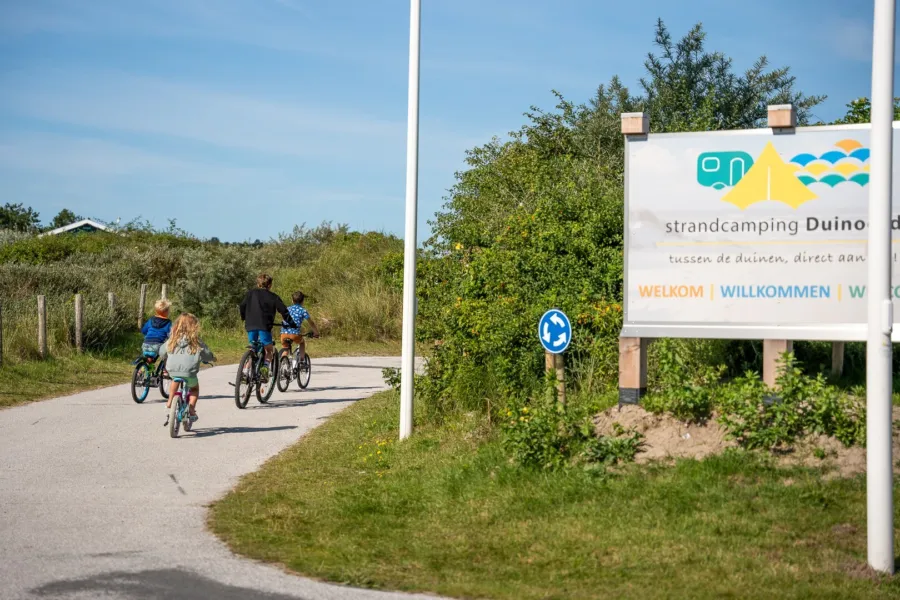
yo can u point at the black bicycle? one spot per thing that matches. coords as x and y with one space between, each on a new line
145 376
251 375
292 367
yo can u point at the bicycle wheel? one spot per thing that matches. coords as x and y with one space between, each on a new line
284 373
304 371
265 388
174 422
140 382
243 383
165 382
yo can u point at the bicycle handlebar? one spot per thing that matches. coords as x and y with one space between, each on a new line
308 334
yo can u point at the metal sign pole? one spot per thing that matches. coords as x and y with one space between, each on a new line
408 360
879 474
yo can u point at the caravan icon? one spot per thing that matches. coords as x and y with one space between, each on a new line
719 170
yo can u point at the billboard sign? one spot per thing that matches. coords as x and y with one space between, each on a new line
749 234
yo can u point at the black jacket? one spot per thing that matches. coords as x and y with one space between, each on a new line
258 310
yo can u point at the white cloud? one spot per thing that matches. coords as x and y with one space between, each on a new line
282 25
84 157
108 179
120 102
553 77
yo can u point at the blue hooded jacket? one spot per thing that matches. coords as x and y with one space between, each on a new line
156 330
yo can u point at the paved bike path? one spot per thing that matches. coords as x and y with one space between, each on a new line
97 501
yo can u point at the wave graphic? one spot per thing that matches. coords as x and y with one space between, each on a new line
804 159
861 155
848 163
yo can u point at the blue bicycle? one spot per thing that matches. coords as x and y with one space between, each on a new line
146 376
180 410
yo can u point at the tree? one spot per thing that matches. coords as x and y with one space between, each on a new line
537 221
690 89
860 111
65 217
18 218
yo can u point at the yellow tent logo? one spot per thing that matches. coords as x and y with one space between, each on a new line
770 178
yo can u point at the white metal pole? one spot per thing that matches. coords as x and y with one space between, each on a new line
879 476
408 360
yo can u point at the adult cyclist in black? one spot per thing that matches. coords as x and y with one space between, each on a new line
258 314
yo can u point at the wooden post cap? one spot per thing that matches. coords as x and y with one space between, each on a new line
782 116
635 123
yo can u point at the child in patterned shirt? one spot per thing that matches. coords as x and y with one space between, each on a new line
291 335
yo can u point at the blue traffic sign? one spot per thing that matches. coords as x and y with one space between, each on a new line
555 331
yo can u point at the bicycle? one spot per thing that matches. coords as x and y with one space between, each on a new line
146 377
293 368
180 410
249 375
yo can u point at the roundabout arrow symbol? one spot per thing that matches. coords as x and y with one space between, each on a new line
554 318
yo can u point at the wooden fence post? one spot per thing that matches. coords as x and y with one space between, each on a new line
555 365
772 351
142 302
79 323
560 377
837 358
111 297
165 292
42 326
632 370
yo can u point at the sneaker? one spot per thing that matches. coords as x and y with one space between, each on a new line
264 372
194 418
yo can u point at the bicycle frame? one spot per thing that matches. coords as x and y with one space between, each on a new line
259 354
155 367
180 408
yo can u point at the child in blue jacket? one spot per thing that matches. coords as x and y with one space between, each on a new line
156 330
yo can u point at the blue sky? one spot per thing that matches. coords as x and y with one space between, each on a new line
242 118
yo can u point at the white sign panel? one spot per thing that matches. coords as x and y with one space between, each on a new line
749 234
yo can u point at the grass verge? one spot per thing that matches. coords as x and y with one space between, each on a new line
27 381
447 513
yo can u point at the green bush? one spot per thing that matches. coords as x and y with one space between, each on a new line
546 434
758 417
562 250
684 380
53 248
9 236
754 415
215 282
102 329
51 280
338 269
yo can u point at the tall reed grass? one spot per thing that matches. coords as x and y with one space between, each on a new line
338 271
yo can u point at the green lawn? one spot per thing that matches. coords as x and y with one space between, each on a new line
27 381
447 513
